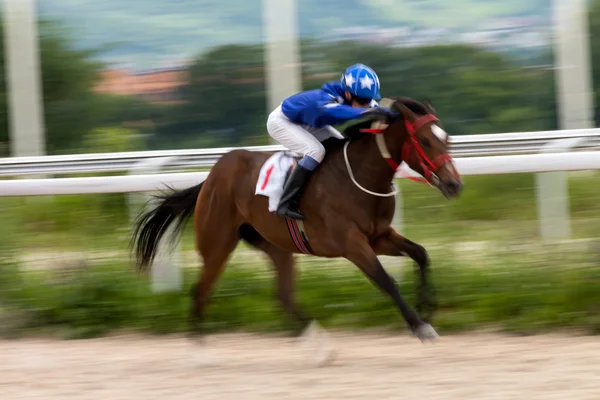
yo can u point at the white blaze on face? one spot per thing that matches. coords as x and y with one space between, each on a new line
439 132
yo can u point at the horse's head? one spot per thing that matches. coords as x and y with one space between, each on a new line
415 135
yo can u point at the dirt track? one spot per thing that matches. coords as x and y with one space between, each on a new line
247 367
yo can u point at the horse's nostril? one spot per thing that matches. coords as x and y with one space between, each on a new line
454 187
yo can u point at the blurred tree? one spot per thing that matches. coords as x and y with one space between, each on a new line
225 98
72 108
111 139
67 78
4 147
474 91
594 31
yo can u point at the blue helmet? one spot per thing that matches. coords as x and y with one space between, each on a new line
361 81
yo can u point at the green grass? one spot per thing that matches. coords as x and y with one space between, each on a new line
497 209
514 289
512 292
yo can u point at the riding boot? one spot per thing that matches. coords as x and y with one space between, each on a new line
289 203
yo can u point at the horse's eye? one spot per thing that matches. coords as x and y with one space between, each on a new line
425 142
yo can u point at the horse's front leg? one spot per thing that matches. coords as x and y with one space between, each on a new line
393 244
360 252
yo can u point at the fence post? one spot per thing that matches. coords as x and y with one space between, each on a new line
23 78
166 272
575 108
553 195
282 50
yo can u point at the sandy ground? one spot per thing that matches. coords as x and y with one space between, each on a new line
248 367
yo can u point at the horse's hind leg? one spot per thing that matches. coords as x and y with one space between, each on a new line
213 266
283 261
286 283
214 248
216 239
285 269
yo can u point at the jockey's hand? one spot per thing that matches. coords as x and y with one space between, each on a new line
378 113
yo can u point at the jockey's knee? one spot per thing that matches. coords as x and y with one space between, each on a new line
271 126
312 159
316 152
308 163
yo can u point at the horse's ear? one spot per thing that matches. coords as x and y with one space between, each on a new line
406 112
429 106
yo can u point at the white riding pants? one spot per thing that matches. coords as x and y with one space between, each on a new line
301 139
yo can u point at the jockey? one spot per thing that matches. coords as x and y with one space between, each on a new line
304 120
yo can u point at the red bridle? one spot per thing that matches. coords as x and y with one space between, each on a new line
430 167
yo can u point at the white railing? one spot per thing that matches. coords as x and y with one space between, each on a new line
461 146
528 163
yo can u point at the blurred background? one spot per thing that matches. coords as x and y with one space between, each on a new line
89 76
164 75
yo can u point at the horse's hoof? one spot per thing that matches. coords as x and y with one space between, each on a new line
324 358
426 332
317 346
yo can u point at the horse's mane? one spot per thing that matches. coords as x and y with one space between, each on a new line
353 132
413 105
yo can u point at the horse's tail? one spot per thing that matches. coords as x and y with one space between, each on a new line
152 225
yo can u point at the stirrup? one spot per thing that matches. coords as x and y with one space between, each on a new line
289 209
293 214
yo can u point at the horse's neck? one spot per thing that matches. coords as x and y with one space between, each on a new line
369 167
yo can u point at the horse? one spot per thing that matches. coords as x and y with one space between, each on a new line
348 208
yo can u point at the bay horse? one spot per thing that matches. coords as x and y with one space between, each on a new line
347 204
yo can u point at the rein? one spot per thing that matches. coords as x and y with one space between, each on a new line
349 168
